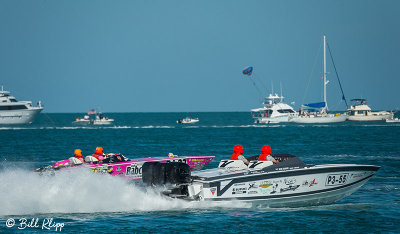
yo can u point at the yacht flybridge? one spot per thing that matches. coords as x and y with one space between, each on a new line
362 112
16 112
274 110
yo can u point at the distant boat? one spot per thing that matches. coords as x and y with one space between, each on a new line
393 120
99 119
274 110
187 120
317 112
362 112
16 112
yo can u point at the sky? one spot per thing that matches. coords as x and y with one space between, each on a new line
188 55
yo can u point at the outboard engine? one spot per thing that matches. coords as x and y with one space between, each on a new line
156 173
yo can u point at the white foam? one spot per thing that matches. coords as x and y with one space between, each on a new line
81 191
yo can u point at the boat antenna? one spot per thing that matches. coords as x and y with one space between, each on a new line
280 84
272 87
337 75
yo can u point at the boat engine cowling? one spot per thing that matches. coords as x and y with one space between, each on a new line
156 173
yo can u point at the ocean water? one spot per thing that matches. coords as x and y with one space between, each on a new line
86 202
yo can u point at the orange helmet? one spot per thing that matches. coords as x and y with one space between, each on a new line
238 149
78 152
266 149
98 150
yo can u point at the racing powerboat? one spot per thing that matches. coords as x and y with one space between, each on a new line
289 183
119 165
187 120
17 112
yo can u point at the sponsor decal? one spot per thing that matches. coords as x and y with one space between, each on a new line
110 170
134 170
313 183
305 183
212 190
118 169
252 186
274 187
239 184
253 192
264 187
357 175
290 187
290 181
198 160
239 190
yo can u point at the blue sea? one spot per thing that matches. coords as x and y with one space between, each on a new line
86 202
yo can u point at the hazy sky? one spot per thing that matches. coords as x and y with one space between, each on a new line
161 56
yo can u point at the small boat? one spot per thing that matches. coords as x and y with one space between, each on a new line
318 112
99 119
289 183
274 111
102 120
360 111
117 164
393 120
187 120
17 112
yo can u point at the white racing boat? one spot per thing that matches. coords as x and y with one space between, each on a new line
288 183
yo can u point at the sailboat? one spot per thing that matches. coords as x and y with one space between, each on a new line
317 112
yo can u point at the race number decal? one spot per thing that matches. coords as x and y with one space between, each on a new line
183 160
336 179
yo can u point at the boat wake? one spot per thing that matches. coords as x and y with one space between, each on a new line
81 191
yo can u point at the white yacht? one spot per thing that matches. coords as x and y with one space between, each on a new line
16 112
274 110
317 112
362 112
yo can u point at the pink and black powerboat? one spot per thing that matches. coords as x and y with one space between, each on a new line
119 165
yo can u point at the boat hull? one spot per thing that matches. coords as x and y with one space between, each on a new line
273 119
380 117
316 185
319 119
25 116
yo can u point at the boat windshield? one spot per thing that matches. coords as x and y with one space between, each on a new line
286 111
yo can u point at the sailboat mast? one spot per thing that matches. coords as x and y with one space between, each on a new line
326 104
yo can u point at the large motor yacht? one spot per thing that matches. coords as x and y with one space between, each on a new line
362 112
274 110
16 112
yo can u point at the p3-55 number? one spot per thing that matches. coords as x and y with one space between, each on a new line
336 179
